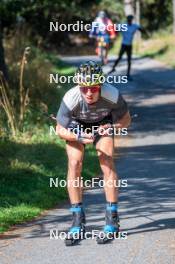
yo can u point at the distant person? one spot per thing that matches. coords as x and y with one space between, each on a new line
103 31
127 39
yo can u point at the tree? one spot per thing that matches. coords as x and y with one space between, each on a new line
156 14
3 67
174 17
128 7
8 12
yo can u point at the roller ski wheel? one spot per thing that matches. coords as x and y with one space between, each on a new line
73 238
111 229
106 237
77 231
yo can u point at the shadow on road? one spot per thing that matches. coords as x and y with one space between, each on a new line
151 181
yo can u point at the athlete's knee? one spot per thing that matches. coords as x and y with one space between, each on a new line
75 165
106 162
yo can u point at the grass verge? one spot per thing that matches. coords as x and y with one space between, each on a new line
27 164
161 47
28 161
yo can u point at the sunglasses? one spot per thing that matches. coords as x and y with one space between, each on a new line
94 89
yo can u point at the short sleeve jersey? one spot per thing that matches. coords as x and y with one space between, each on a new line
74 107
129 34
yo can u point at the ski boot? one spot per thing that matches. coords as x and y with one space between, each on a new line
111 229
76 232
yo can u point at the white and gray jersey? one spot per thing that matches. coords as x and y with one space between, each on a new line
74 107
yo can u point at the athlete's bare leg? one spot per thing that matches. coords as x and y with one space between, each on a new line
75 153
105 150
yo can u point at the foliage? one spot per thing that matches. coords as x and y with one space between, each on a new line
155 14
42 96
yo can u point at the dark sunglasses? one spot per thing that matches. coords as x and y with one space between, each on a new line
94 89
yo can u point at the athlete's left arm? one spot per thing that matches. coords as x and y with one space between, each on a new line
124 121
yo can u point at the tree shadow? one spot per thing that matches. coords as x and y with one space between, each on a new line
156 53
157 225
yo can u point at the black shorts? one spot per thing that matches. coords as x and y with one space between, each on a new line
77 126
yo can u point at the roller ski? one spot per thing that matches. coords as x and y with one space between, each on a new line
76 232
111 229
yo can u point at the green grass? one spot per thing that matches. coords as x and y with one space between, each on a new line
17 214
26 167
161 46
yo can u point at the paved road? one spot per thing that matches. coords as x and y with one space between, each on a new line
145 159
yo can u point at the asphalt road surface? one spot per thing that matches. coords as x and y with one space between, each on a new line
147 205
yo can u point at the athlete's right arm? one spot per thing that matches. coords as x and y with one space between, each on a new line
64 133
64 118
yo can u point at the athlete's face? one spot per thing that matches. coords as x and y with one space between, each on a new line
90 94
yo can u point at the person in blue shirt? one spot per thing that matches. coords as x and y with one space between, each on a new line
127 39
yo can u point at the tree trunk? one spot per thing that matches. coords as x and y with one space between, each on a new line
3 66
137 19
137 13
174 17
137 16
128 7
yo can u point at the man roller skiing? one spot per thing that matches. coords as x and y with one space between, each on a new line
127 40
91 104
